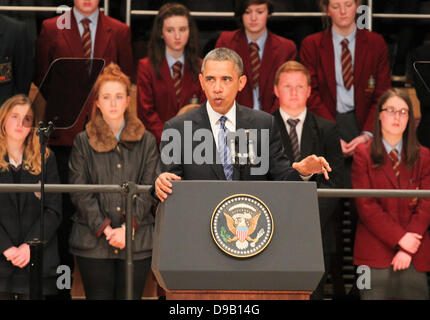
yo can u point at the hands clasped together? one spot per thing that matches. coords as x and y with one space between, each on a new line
409 245
18 256
115 236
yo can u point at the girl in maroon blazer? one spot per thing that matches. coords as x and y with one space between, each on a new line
392 237
167 79
262 53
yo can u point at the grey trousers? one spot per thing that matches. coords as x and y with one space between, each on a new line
406 284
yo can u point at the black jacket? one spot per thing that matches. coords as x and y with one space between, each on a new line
98 158
20 222
279 167
320 137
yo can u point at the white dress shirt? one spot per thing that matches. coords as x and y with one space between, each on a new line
299 127
94 18
214 117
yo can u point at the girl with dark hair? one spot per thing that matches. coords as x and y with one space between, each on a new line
391 236
20 162
114 148
262 53
167 79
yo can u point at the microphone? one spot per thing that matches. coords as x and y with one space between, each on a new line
231 142
251 152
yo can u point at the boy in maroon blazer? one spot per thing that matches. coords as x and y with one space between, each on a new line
108 39
262 53
102 37
350 70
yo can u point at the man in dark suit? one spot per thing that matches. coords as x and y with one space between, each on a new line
221 79
15 59
303 133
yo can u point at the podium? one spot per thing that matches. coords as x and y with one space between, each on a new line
189 264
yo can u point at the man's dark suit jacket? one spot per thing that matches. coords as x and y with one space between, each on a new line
246 118
320 137
16 61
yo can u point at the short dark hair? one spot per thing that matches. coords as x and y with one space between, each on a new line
224 54
242 5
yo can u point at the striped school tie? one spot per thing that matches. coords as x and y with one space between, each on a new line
86 38
177 78
223 149
394 157
293 138
255 63
346 57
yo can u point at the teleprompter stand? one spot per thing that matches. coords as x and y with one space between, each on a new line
62 95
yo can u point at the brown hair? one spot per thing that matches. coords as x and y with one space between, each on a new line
110 73
157 46
31 158
242 5
292 66
411 147
326 21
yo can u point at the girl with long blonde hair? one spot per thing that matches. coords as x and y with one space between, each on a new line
20 212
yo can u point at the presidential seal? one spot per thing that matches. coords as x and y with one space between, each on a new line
242 225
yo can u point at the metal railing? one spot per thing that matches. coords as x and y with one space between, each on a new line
129 189
105 8
228 14
130 12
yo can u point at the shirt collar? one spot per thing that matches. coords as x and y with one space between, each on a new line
214 116
389 148
285 116
171 61
118 135
14 164
260 41
337 38
79 16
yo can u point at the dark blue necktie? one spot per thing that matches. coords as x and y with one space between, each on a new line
223 150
